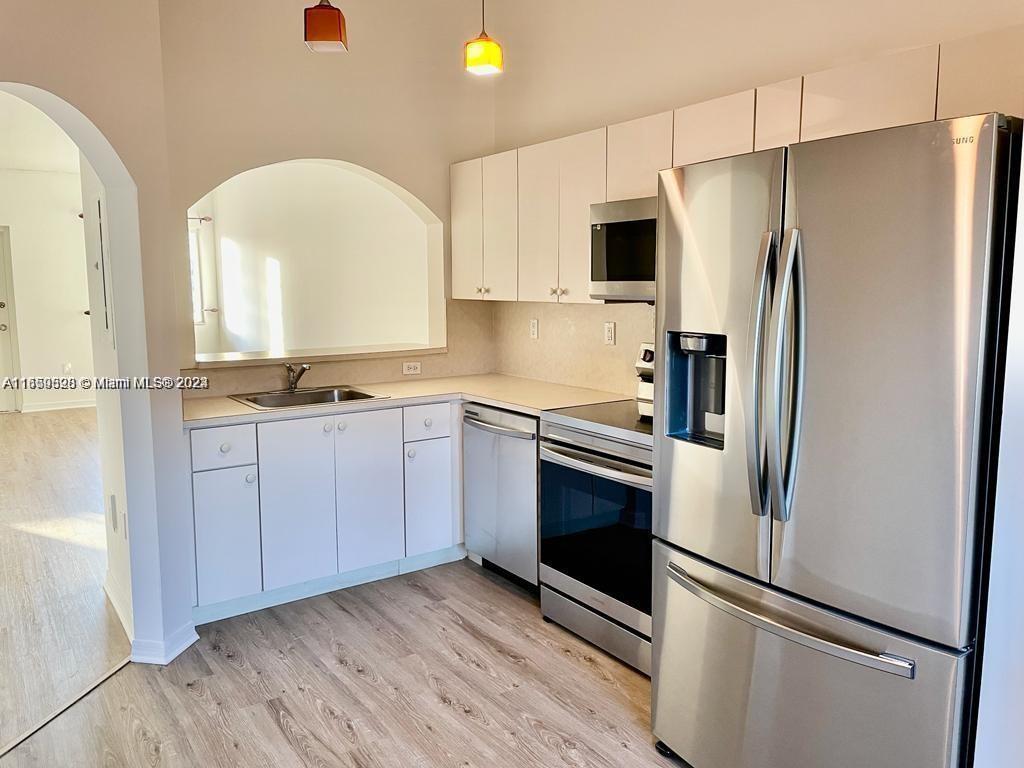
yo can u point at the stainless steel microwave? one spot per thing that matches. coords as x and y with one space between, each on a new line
623 237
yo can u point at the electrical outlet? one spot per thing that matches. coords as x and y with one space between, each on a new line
534 328
411 369
609 334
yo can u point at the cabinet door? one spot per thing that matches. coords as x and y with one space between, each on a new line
227 516
582 179
717 128
501 250
429 515
299 523
538 222
467 229
637 150
983 73
371 502
877 93
777 118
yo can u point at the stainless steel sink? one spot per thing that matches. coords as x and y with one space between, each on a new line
311 396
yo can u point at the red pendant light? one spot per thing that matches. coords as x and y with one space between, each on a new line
325 29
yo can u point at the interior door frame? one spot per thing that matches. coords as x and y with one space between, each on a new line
7 267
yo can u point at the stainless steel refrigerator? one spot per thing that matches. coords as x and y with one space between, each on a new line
830 344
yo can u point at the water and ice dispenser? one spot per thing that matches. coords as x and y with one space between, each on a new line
695 388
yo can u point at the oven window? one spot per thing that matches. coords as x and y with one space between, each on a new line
624 251
598 532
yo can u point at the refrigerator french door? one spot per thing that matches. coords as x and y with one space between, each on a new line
822 445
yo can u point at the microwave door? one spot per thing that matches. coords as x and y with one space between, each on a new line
623 250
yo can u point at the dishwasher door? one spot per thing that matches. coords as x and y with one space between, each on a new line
499 467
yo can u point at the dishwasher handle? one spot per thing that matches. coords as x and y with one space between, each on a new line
502 431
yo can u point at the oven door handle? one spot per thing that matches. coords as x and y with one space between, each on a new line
643 481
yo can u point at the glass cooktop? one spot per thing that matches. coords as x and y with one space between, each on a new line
618 416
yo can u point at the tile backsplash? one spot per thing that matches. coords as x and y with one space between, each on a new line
569 348
488 337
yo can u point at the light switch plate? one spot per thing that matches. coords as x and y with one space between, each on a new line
411 369
534 328
609 334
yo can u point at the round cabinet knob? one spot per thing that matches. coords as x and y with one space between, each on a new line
554 291
412 453
563 291
487 290
328 428
341 426
479 289
250 478
3 326
428 422
225 447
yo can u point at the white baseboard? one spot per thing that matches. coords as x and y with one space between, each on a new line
204 614
61 406
120 598
164 651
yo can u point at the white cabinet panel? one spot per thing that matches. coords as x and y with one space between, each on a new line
218 447
429 513
227 519
297 500
717 128
538 222
467 229
501 228
370 495
637 150
777 119
582 180
983 73
423 422
878 93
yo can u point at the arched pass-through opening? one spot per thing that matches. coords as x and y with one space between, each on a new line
111 216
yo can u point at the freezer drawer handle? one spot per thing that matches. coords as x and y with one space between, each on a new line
642 481
884 662
503 431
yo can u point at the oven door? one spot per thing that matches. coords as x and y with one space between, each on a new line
595 532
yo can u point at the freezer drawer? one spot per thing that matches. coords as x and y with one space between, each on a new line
747 678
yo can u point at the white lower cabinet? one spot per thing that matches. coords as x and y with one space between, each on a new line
297 500
429 524
370 498
227 514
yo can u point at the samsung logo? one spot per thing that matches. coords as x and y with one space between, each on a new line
963 139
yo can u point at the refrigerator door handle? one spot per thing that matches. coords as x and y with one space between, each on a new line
789 281
893 665
759 307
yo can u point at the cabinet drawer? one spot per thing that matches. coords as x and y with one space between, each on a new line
217 447
423 422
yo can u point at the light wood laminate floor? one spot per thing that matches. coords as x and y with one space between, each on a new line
58 632
451 667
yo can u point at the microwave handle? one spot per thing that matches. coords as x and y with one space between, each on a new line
642 481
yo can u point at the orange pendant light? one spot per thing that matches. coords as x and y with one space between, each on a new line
483 54
325 29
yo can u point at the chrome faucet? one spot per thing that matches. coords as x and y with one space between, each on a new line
294 374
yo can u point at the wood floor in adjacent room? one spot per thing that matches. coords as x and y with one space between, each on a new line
58 632
447 667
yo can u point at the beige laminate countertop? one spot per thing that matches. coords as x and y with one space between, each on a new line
526 395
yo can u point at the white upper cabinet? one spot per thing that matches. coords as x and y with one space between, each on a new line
467 229
538 222
299 528
369 474
777 118
501 228
582 180
637 150
983 73
879 93
716 128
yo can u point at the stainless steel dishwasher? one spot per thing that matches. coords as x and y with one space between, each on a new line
500 488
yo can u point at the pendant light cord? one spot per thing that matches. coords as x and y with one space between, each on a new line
483 17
